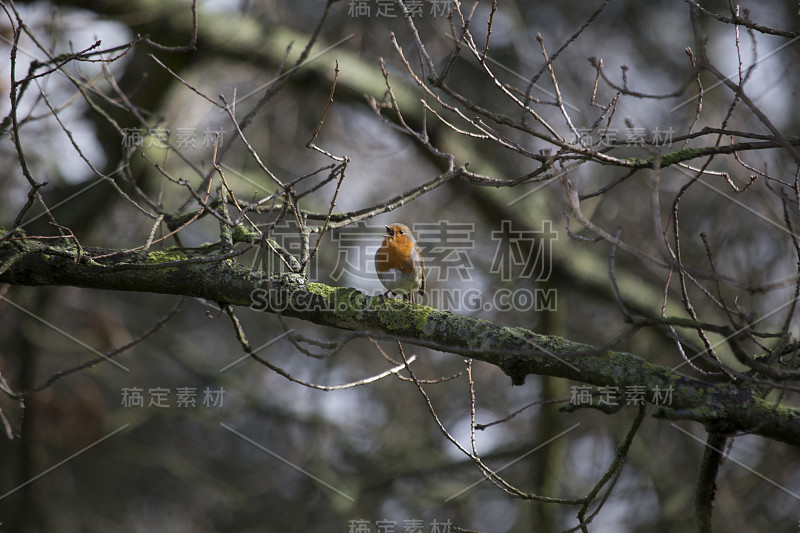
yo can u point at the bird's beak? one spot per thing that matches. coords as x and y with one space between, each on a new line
389 231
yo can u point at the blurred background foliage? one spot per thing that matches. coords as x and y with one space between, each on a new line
191 468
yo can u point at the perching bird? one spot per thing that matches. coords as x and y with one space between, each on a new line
399 263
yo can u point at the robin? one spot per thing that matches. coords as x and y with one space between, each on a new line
399 263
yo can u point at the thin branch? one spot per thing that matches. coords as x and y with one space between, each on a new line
706 489
106 356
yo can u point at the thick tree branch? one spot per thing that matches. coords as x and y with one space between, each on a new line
723 408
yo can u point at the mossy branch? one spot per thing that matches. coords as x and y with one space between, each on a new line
722 407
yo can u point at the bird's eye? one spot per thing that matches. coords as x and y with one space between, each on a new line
401 232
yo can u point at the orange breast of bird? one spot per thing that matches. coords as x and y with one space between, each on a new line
397 253
399 261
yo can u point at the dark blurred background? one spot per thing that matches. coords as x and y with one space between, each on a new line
243 449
